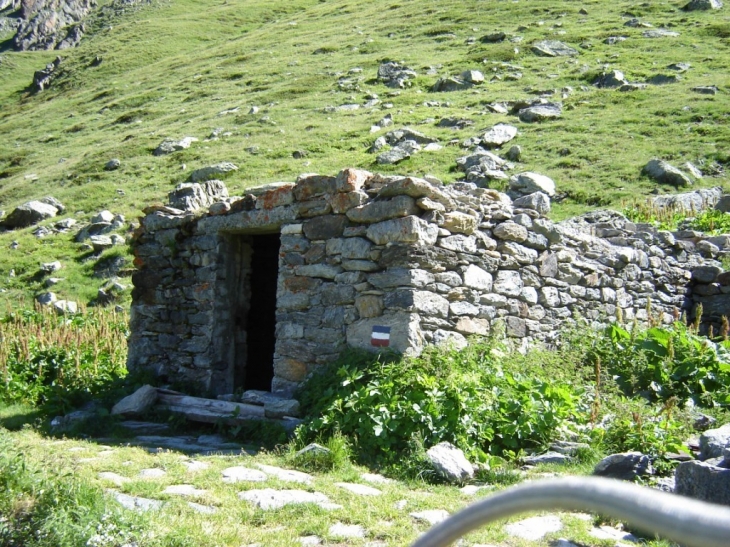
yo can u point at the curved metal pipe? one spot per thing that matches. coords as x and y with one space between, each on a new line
689 522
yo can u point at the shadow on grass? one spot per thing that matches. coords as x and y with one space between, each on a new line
14 417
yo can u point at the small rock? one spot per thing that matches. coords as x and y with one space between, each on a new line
499 135
168 146
136 404
46 299
514 153
63 307
614 78
113 164
541 112
450 462
553 48
50 267
706 89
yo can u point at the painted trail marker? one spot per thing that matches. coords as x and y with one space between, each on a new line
380 336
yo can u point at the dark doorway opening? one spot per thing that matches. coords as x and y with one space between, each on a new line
260 323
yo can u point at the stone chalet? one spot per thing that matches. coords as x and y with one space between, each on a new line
256 292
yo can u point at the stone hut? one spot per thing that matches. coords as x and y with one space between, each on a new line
256 292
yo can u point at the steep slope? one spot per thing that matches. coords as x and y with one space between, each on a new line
177 68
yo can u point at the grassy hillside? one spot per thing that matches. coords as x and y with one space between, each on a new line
172 68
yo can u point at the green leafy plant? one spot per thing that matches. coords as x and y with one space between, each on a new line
668 362
465 398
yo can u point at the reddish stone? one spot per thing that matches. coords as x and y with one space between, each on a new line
276 197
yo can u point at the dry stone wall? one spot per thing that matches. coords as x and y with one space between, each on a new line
367 260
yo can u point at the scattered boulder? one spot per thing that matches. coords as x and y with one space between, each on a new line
664 79
137 403
50 267
473 77
101 243
665 173
450 462
168 146
493 38
30 213
706 89
659 33
112 164
212 171
553 48
541 112
189 196
398 153
695 5
46 299
514 153
65 307
614 78
393 74
43 78
499 135
450 84
408 134
624 466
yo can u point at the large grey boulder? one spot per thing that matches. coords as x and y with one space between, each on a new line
714 441
624 466
553 48
703 481
137 403
703 5
30 213
193 196
665 173
450 462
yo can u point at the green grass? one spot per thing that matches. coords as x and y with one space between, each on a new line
38 468
170 68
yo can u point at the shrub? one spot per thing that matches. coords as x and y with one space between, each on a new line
60 361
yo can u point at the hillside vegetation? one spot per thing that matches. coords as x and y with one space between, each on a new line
181 68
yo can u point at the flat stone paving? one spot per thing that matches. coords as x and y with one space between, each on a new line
533 529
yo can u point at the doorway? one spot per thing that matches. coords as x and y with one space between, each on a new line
255 265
